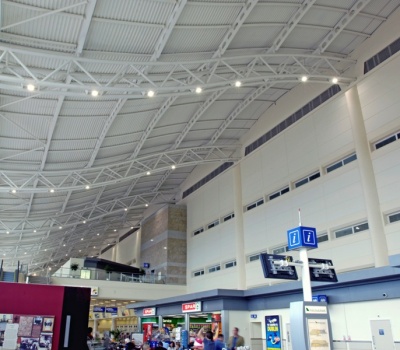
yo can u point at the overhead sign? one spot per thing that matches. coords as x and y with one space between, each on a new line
253 315
146 265
191 307
99 309
272 268
302 237
322 273
150 311
273 329
112 310
94 291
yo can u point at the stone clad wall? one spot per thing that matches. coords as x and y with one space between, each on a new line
163 243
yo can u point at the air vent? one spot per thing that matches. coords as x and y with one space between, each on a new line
382 56
206 179
316 102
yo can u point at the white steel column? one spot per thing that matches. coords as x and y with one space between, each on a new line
375 220
95 327
138 246
239 229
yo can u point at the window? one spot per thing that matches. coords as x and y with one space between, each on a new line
198 273
254 257
213 224
255 204
307 179
341 163
351 229
323 237
214 268
280 250
198 231
278 193
394 217
228 217
230 264
387 140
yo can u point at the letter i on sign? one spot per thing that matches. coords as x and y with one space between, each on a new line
294 240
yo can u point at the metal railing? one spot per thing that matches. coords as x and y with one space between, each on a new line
97 274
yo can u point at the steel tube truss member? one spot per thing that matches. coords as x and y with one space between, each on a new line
88 214
168 79
87 178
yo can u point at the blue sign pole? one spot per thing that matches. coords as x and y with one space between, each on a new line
303 238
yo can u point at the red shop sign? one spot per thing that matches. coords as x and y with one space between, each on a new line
150 311
191 307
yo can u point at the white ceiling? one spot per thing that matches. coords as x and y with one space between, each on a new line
67 157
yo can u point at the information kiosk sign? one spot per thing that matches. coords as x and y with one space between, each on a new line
302 237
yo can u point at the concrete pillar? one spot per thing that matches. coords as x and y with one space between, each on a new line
138 244
239 228
375 219
113 323
95 327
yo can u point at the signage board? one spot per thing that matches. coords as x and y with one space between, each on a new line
315 309
112 310
191 307
319 274
253 315
99 309
150 311
146 265
272 270
94 291
273 332
302 237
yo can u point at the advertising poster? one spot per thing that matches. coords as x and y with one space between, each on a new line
147 331
318 334
274 331
26 332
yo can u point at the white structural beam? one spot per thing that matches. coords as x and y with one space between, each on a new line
291 24
161 42
96 177
238 109
341 25
242 16
90 6
45 14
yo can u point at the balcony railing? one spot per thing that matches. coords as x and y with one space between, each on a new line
102 275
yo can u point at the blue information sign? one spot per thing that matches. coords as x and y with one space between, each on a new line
112 310
302 237
273 328
99 309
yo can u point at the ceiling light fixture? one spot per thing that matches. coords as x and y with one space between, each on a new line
238 83
150 93
146 204
148 173
8 232
84 221
52 190
198 90
14 190
115 230
63 245
87 187
98 234
94 93
94 247
30 87
81 239
334 80
304 78
131 227
60 227
34 230
126 209
173 167
45 250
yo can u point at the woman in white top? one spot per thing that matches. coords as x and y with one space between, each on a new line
172 346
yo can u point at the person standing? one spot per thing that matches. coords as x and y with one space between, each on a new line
219 342
208 339
235 340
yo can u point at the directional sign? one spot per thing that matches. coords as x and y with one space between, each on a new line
272 269
99 309
302 237
322 273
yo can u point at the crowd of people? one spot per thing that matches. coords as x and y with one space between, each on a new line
203 340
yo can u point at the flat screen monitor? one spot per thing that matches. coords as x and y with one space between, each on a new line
273 270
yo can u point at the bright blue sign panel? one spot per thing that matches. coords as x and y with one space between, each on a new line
302 237
273 328
112 310
99 309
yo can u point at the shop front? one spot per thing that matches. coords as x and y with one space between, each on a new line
180 321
